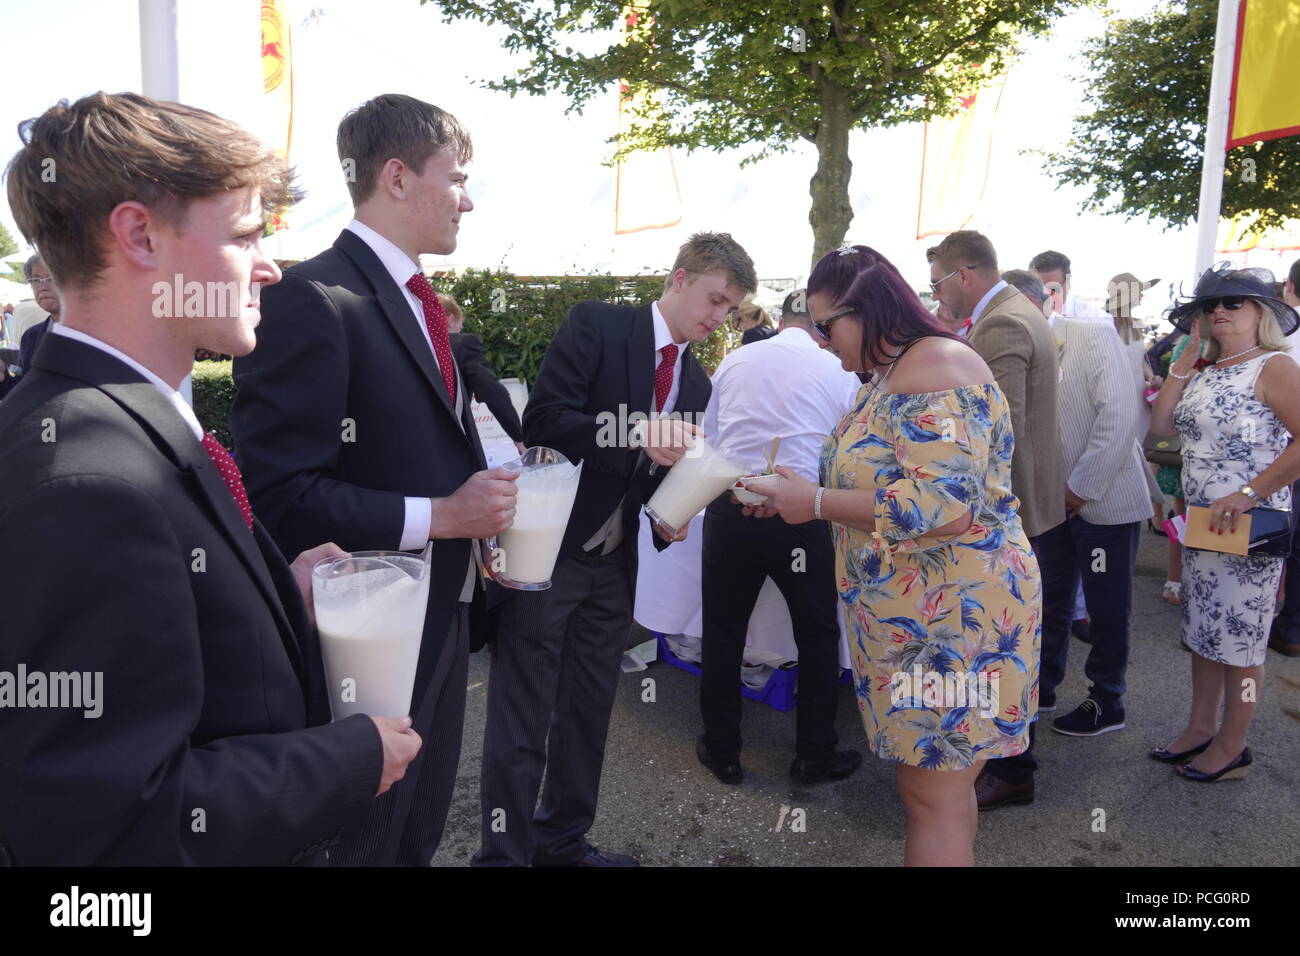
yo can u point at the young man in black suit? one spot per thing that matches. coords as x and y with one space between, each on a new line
555 666
190 722
351 424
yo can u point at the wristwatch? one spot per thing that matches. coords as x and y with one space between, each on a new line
1249 492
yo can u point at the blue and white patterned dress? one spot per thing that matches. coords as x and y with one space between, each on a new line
1229 437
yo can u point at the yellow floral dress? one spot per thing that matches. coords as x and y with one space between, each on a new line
944 632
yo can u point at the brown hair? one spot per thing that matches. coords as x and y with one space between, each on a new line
707 253
394 126
81 161
964 248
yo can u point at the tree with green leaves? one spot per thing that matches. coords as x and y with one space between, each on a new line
738 74
7 245
1140 148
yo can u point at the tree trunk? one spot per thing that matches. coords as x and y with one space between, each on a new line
831 211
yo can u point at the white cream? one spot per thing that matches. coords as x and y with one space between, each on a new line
691 484
371 623
531 545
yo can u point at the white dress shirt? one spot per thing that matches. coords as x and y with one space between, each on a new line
610 534
786 386
178 402
419 511
664 337
1076 308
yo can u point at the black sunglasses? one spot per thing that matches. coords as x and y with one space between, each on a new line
1230 302
824 328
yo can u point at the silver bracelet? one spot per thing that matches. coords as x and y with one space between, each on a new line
1181 378
817 503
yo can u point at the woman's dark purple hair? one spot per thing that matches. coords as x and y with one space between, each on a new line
889 313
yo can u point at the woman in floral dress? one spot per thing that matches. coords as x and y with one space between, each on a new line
939 585
1235 408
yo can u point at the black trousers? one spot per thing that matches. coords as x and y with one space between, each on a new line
739 552
554 675
404 826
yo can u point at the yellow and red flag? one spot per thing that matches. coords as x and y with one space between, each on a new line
1264 100
277 83
1235 236
646 194
955 162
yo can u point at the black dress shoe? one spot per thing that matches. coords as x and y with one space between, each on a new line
1166 756
992 792
1235 770
729 773
839 765
593 857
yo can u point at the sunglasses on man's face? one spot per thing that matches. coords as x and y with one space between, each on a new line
824 327
1230 302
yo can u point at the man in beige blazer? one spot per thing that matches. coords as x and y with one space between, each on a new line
1012 336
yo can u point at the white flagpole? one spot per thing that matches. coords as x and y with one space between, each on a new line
1216 135
160 76
159 56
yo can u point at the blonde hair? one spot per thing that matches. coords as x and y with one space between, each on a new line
1124 326
450 305
1269 334
715 253
749 309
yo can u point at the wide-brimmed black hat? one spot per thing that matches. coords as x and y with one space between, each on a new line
1225 280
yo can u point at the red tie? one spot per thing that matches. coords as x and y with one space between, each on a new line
435 319
664 376
964 331
230 474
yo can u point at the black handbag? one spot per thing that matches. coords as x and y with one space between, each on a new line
1164 450
1271 531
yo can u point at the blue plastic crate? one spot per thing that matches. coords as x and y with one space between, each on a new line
777 693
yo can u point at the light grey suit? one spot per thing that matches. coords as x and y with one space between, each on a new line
1100 425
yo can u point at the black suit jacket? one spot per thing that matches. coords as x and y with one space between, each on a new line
123 552
482 382
340 413
603 359
26 352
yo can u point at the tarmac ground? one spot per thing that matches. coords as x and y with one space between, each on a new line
1100 801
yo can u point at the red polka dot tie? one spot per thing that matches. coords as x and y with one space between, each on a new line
664 376
230 474
435 319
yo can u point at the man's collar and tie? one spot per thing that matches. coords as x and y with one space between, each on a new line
220 458
435 319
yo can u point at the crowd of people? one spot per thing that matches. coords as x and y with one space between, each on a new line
962 488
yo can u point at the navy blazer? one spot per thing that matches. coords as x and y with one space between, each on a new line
340 413
26 354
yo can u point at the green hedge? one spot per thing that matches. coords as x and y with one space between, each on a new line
516 316
214 390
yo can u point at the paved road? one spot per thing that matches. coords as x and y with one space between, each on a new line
658 803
